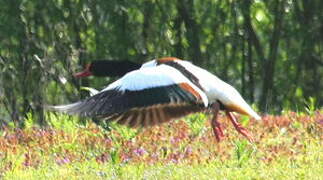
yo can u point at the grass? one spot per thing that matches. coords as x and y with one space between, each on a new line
286 147
212 170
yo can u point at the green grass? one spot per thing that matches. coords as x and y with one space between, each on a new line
286 147
307 166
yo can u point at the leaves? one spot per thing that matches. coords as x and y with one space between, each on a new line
268 49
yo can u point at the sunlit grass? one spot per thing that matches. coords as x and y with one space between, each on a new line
304 167
286 147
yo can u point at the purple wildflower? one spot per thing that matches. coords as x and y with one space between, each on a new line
61 161
140 151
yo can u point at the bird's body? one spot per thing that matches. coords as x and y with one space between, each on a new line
162 90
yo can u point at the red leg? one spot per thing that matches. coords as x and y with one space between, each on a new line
239 127
217 129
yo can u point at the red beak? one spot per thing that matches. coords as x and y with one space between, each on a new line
84 73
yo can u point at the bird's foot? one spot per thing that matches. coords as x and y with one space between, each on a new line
217 129
240 128
216 126
244 132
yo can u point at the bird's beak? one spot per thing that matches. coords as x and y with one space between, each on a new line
85 73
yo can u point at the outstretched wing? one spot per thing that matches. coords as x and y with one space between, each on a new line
143 97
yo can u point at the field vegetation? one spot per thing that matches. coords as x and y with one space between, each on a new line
286 147
271 51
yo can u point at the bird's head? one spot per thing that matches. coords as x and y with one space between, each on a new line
107 68
86 72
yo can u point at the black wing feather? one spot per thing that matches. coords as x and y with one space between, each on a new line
111 102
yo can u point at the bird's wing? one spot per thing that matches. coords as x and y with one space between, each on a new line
143 97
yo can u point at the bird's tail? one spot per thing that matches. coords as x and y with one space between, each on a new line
67 108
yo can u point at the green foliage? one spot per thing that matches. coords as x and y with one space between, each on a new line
244 120
124 131
269 50
310 106
115 156
29 121
196 122
62 121
243 152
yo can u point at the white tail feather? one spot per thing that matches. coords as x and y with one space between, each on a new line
68 108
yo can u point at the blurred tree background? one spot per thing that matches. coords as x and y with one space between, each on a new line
271 51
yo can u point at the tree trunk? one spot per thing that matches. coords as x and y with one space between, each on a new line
269 66
186 11
251 83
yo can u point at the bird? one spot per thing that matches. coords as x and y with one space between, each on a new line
110 68
162 90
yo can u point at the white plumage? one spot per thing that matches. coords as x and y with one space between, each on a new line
216 89
148 77
151 77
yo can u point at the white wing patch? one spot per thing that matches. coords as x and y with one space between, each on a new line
151 63
150 77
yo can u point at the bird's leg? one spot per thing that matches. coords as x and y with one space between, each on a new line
239 127
217 129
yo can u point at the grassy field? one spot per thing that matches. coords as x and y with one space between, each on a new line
286 147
